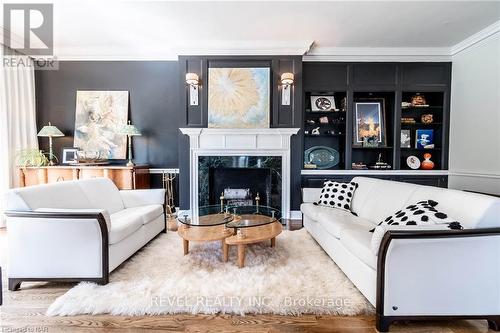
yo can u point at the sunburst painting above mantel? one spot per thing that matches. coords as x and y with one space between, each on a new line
238 97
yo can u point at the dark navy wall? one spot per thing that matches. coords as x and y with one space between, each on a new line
154 90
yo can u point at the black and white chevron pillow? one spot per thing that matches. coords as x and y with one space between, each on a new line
337 195
422 213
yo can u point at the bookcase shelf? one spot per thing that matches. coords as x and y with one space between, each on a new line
328 79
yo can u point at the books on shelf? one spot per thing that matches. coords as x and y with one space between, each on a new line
424 139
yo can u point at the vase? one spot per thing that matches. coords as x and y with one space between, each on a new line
427 164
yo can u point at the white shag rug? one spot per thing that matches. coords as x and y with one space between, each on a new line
296 277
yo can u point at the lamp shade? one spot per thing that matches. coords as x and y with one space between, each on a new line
50 131
287 78
129 130
192 78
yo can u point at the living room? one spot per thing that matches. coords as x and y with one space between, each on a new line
249 166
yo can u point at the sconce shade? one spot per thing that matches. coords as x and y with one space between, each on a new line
50 131
192 79
287 78
129 130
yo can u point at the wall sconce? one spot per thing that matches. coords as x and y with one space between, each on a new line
193 81
286 81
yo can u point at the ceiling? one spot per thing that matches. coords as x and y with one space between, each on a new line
162 30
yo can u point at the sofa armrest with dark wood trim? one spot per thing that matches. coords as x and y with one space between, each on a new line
57 246
439 273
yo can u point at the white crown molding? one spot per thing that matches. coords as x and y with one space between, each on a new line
148 57
238 47
476 38
378 54
15 39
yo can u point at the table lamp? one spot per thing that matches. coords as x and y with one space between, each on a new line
130 130
50 132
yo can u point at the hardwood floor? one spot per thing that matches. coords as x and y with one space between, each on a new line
24 311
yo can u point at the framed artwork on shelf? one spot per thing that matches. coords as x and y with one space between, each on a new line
369 121
239 97
405 138
322 103
69 155
424 139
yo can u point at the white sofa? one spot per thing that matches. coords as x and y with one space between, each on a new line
77 230
415 272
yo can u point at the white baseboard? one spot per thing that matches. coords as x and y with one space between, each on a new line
295 215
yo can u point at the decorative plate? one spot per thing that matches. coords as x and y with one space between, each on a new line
323 157
413 162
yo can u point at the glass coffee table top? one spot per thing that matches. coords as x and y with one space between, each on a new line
252 216
208 216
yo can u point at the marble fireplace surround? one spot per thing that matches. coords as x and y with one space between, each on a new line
240 142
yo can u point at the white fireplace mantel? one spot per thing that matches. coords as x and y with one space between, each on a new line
240 142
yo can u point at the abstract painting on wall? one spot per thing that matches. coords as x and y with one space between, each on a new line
238 97
99 115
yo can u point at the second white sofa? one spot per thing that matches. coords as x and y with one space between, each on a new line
78 230
414 272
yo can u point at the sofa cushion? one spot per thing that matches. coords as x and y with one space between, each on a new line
311 210
375 199
358 241
102 193
337 195
56 195
335 220
123 224
472 210
147 213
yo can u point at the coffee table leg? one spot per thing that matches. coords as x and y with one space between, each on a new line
225 251
241 255
185 243
273 242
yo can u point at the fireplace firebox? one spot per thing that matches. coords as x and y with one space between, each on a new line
240 178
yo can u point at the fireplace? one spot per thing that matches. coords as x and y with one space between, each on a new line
240 178
266 149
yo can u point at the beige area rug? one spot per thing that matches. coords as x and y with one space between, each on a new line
296 277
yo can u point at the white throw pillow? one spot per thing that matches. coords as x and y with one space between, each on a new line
337 195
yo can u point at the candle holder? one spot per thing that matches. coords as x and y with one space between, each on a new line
257 200
221 202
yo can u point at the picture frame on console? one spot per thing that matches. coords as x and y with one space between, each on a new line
369 121
69 155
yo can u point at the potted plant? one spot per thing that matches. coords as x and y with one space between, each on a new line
32 157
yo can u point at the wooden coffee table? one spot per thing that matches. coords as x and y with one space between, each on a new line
251 228
206 226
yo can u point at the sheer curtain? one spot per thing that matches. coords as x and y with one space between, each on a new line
17 119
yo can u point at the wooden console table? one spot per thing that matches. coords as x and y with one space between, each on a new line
125 178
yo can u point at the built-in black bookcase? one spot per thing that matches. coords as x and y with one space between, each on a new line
394 83
331 134
434 108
